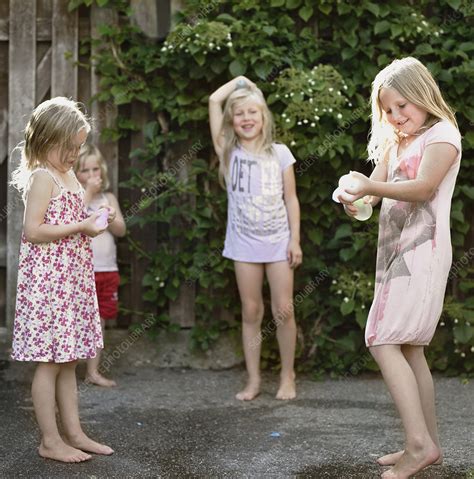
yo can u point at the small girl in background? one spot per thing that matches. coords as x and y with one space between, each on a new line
416 147
91 170
263 224
57 318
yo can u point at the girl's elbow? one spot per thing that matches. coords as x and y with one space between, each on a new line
31 236
427 193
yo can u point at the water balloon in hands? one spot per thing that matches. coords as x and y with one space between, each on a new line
350 193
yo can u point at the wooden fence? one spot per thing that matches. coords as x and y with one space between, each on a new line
40 59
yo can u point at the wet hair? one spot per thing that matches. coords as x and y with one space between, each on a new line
412 80
53 124
231 140
90 150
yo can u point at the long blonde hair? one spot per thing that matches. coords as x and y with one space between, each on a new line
231 140
415 83
53 124
90 150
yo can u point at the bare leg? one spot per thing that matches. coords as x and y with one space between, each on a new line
417 361
66 393
43 392
420 450
280 277
250 281
93 375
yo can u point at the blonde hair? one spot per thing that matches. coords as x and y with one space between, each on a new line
90 150
415 83
231 140
53 124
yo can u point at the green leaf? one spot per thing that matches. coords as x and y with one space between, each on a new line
226 18
424 49
381 27
292 4
237 68
374 8
343 231
463 333
347 308
468 191
277 3
361 318
305 12
325 8
454 4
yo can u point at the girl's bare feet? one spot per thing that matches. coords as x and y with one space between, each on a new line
391 459
60 451
287 389
99 380
85 443
251 391
412 462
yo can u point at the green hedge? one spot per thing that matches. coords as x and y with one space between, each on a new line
315 61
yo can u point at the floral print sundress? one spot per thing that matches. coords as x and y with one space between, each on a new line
57 316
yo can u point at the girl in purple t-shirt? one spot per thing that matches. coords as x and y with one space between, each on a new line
263 224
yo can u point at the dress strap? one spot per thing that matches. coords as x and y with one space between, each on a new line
78 183
58 183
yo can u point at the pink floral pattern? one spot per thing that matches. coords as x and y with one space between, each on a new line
57 316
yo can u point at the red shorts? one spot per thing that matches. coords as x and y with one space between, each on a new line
106 284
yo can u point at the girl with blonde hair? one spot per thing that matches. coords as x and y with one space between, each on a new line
91 171
263 222
57 319
416 147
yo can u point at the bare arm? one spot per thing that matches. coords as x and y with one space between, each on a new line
215 109
39 196
293 208
117 227
380 173
437 160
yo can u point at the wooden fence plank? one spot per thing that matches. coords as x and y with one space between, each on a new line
43 76
138 266
21 92
65 36
182 310
104 114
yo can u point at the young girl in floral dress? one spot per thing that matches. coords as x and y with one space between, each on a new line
57 319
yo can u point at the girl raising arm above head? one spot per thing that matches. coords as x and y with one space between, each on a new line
263 222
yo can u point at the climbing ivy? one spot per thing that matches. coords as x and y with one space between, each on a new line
314 61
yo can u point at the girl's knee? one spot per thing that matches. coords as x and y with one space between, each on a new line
69 365
282 312
413 353
252 311
48 367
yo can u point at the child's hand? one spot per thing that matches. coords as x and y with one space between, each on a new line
294 254
112 212
94 184
89 226
352 210
361 187
244 79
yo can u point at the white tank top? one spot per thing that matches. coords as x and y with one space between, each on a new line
104 249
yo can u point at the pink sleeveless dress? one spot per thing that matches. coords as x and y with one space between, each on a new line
57 316
414 251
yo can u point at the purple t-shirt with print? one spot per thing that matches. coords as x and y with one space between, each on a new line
257 219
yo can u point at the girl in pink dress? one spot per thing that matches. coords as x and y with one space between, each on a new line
416 146
263 224
57 319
